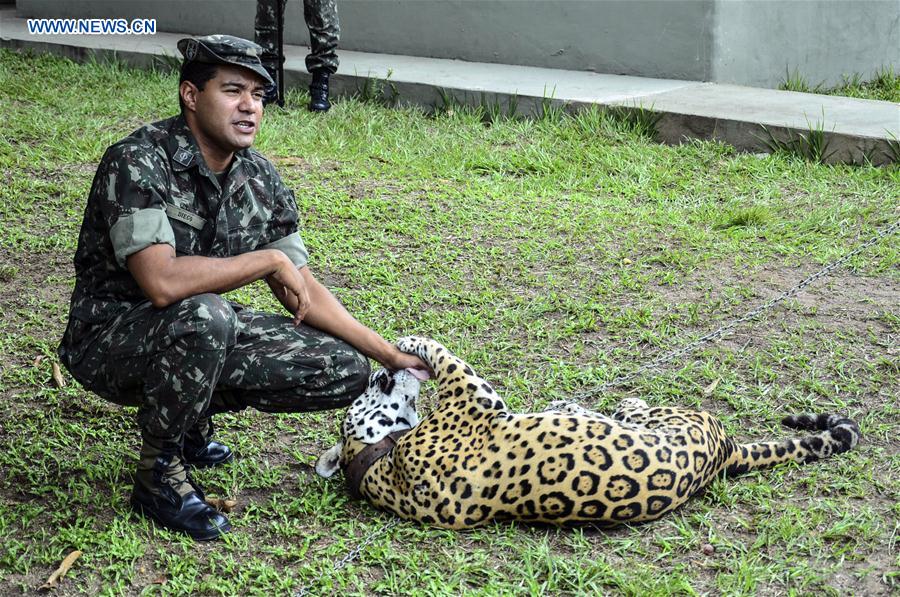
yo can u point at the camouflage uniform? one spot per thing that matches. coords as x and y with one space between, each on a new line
204 354
324 33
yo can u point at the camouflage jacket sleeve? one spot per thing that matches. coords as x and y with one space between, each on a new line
132 199
281 231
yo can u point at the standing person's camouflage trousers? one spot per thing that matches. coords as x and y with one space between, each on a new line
203 355
324 33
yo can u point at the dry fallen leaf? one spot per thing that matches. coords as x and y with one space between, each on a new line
38 359
222 505
159 580
61 571
711 387
58 379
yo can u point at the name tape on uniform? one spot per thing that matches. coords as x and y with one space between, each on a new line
182 215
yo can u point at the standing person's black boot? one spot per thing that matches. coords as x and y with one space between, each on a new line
201 450
318 91
271 96
270 63
164 493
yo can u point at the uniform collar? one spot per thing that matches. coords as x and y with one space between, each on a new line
185 154
183 149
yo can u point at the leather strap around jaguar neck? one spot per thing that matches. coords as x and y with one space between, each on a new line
368 456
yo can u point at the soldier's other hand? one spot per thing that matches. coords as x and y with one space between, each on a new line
294 287
302 298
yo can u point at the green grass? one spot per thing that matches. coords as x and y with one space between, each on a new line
811 145
883 84
552 254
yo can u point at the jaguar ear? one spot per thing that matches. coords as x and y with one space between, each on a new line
330 461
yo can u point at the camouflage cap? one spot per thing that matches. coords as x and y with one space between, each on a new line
224 49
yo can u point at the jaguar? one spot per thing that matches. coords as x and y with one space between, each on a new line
471 460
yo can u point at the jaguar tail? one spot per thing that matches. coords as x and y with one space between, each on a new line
836 435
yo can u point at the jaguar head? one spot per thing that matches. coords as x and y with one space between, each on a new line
387 405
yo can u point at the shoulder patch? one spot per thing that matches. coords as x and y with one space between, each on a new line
183 157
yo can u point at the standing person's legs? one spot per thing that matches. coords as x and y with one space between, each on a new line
324 34
265 31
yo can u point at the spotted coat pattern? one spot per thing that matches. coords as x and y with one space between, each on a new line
471 460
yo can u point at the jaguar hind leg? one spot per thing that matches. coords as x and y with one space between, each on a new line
571 408
631 410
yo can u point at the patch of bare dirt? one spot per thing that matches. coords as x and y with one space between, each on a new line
30 280
840 304
865 578
293 164
842 299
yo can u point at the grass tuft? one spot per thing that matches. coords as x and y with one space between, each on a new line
8 273
166 63
746 217
812 145
893 148
382 92
795 81
883 84
638 120
489 110
495 110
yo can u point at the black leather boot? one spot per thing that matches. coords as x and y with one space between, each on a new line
271 96
168 496
318 91
199 448
270 63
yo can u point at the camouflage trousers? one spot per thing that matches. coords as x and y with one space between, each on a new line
324 33
205 355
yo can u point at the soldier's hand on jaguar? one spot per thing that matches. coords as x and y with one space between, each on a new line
397 360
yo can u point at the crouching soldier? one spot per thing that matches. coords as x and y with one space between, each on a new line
179 212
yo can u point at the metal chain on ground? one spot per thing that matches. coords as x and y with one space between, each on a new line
353 553
721 331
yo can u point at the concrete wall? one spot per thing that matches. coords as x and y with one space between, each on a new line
654 38
751 42
757 42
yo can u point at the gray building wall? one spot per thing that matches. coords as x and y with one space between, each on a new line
653 38
749 42
756 42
